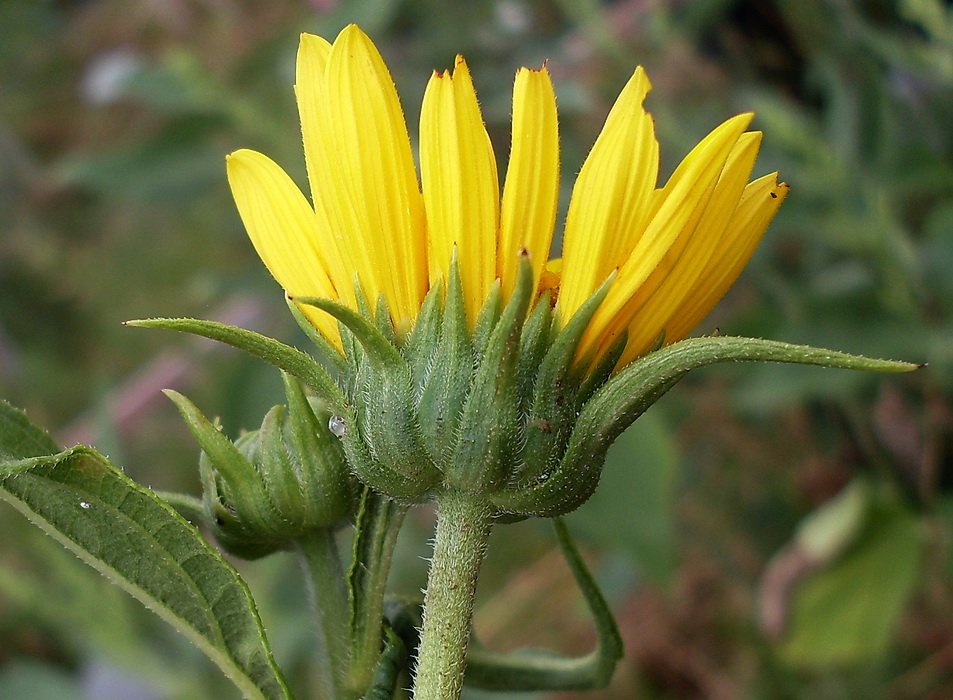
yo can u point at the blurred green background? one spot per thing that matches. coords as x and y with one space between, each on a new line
765 532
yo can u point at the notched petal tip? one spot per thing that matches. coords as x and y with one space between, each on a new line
780 190
526 70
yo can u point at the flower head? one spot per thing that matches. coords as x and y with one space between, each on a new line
374 231
471 361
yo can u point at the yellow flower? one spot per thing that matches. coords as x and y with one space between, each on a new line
674 249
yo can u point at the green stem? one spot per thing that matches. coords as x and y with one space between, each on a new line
378 525
536 669
463 528
319 552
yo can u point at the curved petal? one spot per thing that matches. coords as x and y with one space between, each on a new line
676 213
611 197
367 179
652 318
311 94
754 212
531 191
283 228
460 184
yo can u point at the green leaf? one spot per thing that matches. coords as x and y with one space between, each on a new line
390 668
635 388
830 529
847 613
139 542
625 397
19 438
285 357
378 524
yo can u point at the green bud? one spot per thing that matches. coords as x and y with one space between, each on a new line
276 484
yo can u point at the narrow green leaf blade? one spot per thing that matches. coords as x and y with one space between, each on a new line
128 534
274 352
625 397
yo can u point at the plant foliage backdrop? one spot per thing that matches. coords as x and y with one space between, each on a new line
783 533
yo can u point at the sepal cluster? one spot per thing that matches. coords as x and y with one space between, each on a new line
508 411
487 410
274 485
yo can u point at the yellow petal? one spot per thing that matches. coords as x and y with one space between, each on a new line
676 213
284 230
368 183
379 206
678 282
311 94
531 192
754 212
611 197
460 184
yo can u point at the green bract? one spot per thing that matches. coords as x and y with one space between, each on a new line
503 420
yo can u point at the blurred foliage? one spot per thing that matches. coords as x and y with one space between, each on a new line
114 120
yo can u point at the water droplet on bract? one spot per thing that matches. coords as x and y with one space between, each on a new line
337 426
84 505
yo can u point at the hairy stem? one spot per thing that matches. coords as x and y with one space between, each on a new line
463 527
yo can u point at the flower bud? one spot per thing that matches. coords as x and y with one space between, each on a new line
275 484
